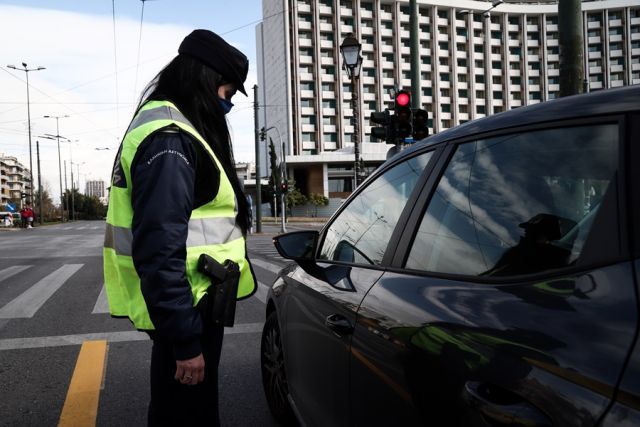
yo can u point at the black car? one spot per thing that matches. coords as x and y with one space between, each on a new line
487 276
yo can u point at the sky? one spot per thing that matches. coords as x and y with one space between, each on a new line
95 75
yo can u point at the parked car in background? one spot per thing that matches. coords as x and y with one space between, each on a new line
487 276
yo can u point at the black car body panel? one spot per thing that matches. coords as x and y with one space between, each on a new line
559 346
392 344
317 309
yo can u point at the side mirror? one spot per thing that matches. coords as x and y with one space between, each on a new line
299 246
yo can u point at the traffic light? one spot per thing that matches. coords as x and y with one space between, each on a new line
386 131
403 114
420 124
284 187
263 134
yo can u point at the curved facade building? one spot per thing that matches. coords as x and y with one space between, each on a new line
471 65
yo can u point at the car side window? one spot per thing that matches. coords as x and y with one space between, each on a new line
361 232
517 204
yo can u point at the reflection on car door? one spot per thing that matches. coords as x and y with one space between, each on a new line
322 300
320 314
513 307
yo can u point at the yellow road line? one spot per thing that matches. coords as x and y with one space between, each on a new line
81 405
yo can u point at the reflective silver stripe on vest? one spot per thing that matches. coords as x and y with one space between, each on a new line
118 238
202 232
159 113
212 231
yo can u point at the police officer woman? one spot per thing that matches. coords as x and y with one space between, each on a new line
174 196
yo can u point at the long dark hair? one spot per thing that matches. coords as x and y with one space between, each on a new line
193 88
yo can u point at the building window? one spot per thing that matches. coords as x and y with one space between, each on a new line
331 103
463 93
308 137
308 120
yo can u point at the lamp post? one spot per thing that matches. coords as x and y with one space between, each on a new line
39 183
57 137
26 72
73 209
283 174
350 49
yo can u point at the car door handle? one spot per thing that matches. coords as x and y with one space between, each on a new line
503 407
338 324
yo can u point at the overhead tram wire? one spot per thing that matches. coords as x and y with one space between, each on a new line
79 114
115 60
135 85
125 69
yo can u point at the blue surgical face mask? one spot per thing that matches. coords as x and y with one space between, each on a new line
226 105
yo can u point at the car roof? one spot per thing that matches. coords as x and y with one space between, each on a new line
602 102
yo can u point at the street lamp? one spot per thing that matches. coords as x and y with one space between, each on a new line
350 49
26 71
486 13
57 137
283 174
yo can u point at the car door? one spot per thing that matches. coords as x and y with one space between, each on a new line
511 299
626 410
320 304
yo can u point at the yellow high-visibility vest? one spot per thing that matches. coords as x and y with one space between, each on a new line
212 227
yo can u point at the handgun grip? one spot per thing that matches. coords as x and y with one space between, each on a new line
212 268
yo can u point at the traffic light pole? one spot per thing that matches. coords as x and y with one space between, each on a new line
571 47
257 149
283 175
415 55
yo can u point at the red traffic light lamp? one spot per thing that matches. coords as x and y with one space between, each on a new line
403 98
403 114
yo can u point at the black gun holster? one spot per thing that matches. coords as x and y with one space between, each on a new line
219 307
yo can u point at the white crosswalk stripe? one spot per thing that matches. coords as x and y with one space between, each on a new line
269 266
30 301
102 305
12 271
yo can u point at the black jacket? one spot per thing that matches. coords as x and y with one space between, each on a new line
171 176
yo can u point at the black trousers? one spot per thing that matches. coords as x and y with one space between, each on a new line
174 404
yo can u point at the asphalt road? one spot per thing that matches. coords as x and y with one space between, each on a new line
51 302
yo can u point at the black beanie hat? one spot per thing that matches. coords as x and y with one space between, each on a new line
214 52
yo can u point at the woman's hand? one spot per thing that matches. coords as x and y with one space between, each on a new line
190 371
